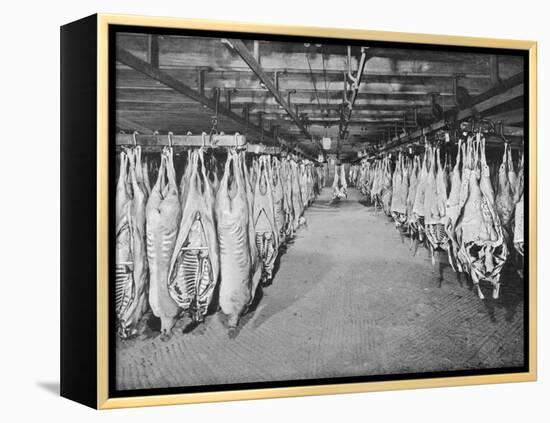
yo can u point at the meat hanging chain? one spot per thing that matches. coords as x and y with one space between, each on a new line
180 248
454 209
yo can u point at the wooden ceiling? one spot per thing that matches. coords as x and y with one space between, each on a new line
295 90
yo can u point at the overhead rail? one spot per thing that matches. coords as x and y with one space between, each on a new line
508 90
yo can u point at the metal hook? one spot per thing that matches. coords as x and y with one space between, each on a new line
236 139
134 137
203 139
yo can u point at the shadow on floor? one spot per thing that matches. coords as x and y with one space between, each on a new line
50 387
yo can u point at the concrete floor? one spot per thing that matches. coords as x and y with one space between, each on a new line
348 299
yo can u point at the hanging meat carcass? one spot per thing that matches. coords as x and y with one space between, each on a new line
376 189
505 196
404 189
364 178
279 203
336 194
518 189
256 263
386 191
400 191
321 177
411 195
512 175
353 175
518 235
316 180
417 222
302 182
343 182
453 208
435 205
132 270
233 216
124 284
310 184
518 227
396 182
335 183
302 178
482 249
286 175
297 200
265 225
163 214
194 267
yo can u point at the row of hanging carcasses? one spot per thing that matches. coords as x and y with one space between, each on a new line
472 209
179 244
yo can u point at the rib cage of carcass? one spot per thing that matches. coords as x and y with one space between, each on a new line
265 223
435 206
194 266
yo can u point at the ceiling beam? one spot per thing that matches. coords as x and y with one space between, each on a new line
267 112
154 96
142 66
239 47
332 75
147 69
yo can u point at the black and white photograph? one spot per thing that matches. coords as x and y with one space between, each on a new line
297 211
